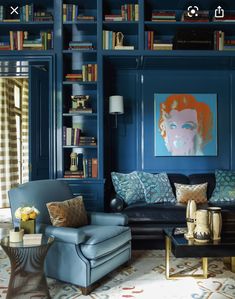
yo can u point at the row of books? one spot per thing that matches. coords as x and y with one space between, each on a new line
109 41
220 43
71 13
20 40
87 168
87 74
26 13
152 44
200 16
72 136
129 12
80 45
163 16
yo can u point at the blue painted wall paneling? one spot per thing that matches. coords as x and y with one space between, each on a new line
133 141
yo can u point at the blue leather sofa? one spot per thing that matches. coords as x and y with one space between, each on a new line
147 221
83 255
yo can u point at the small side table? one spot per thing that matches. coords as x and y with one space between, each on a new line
27 268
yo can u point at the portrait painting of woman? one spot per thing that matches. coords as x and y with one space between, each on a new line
185 124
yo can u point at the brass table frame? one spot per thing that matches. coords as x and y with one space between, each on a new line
176 275
204 275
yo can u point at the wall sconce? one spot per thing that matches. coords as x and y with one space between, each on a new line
116 106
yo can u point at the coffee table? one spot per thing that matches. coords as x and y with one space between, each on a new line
27 274
182 248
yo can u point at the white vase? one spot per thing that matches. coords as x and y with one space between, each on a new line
202 232
190 218
215 223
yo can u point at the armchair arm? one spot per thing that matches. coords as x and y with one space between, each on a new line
66 234
108 219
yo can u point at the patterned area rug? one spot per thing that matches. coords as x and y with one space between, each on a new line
145 279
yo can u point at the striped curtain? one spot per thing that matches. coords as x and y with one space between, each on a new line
25 127
8 144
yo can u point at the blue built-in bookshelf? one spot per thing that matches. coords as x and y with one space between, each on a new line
82 36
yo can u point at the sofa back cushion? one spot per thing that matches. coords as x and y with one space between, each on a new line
177 178
225 186
201 178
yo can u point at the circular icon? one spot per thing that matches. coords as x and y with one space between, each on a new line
193 11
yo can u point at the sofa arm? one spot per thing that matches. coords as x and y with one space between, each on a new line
108 219
65 234
117 204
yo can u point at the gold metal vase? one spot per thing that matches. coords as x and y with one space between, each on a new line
28 226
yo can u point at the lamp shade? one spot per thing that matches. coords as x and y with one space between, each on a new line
116 105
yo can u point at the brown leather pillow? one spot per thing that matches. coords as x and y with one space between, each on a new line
70 213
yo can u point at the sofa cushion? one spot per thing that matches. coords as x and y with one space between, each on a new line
156 187
103 240
225 186
177 178
195 192
200 178
68 213
128 186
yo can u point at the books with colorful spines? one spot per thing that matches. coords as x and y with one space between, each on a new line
73 174
71 77
32 239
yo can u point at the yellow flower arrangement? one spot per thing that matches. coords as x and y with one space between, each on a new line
26 213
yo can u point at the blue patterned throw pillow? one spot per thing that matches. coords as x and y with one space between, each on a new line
225 186
128 186
157 187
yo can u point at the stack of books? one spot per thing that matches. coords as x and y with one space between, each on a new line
115 18
202 16
32 239
81 17
42 16
20 40
229 44
74 77
82 45
229 16
87 140
163 16
5 46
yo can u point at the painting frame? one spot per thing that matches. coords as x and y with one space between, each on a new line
193 116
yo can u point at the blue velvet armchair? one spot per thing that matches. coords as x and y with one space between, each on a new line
83 255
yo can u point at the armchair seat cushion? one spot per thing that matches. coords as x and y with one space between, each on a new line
103 240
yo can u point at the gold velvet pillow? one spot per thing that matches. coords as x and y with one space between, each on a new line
195 192
71 212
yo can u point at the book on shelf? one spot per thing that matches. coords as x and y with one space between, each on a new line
229 16
115 18
130 12
80 45
87 74
32 239
84 110
124 48
85 18
87 168
163 16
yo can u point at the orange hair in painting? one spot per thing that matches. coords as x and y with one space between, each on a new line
180 102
